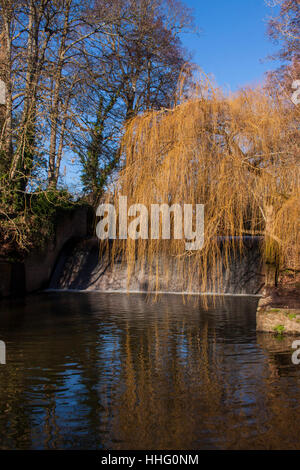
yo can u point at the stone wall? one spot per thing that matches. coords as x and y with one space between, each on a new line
36 270
12 279
80 267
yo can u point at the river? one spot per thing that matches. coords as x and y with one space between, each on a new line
117 371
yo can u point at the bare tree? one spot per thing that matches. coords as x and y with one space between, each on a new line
136 68
284 28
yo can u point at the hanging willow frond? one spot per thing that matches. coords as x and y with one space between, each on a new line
237 155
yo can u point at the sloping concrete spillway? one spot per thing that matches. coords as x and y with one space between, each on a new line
80 267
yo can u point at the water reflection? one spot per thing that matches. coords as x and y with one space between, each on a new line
119 372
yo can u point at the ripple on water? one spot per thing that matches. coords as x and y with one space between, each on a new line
118 371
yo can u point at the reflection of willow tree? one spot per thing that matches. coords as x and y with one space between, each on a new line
178 387
238 155
173 382
137 374
153 410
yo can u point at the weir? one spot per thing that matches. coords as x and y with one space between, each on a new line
80 267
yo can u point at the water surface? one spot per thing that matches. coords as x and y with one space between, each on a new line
117 371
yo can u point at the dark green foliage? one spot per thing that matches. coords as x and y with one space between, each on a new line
34 225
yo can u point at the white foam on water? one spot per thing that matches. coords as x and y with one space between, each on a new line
123 291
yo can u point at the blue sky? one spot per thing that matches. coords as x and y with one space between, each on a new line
233 41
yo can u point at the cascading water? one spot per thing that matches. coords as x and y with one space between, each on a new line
80 267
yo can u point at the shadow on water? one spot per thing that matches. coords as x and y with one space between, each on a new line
96 370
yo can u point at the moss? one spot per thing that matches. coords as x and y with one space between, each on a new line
279 329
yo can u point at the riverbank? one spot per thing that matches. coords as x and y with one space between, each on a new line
278 310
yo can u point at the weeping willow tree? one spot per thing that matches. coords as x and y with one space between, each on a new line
237 155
